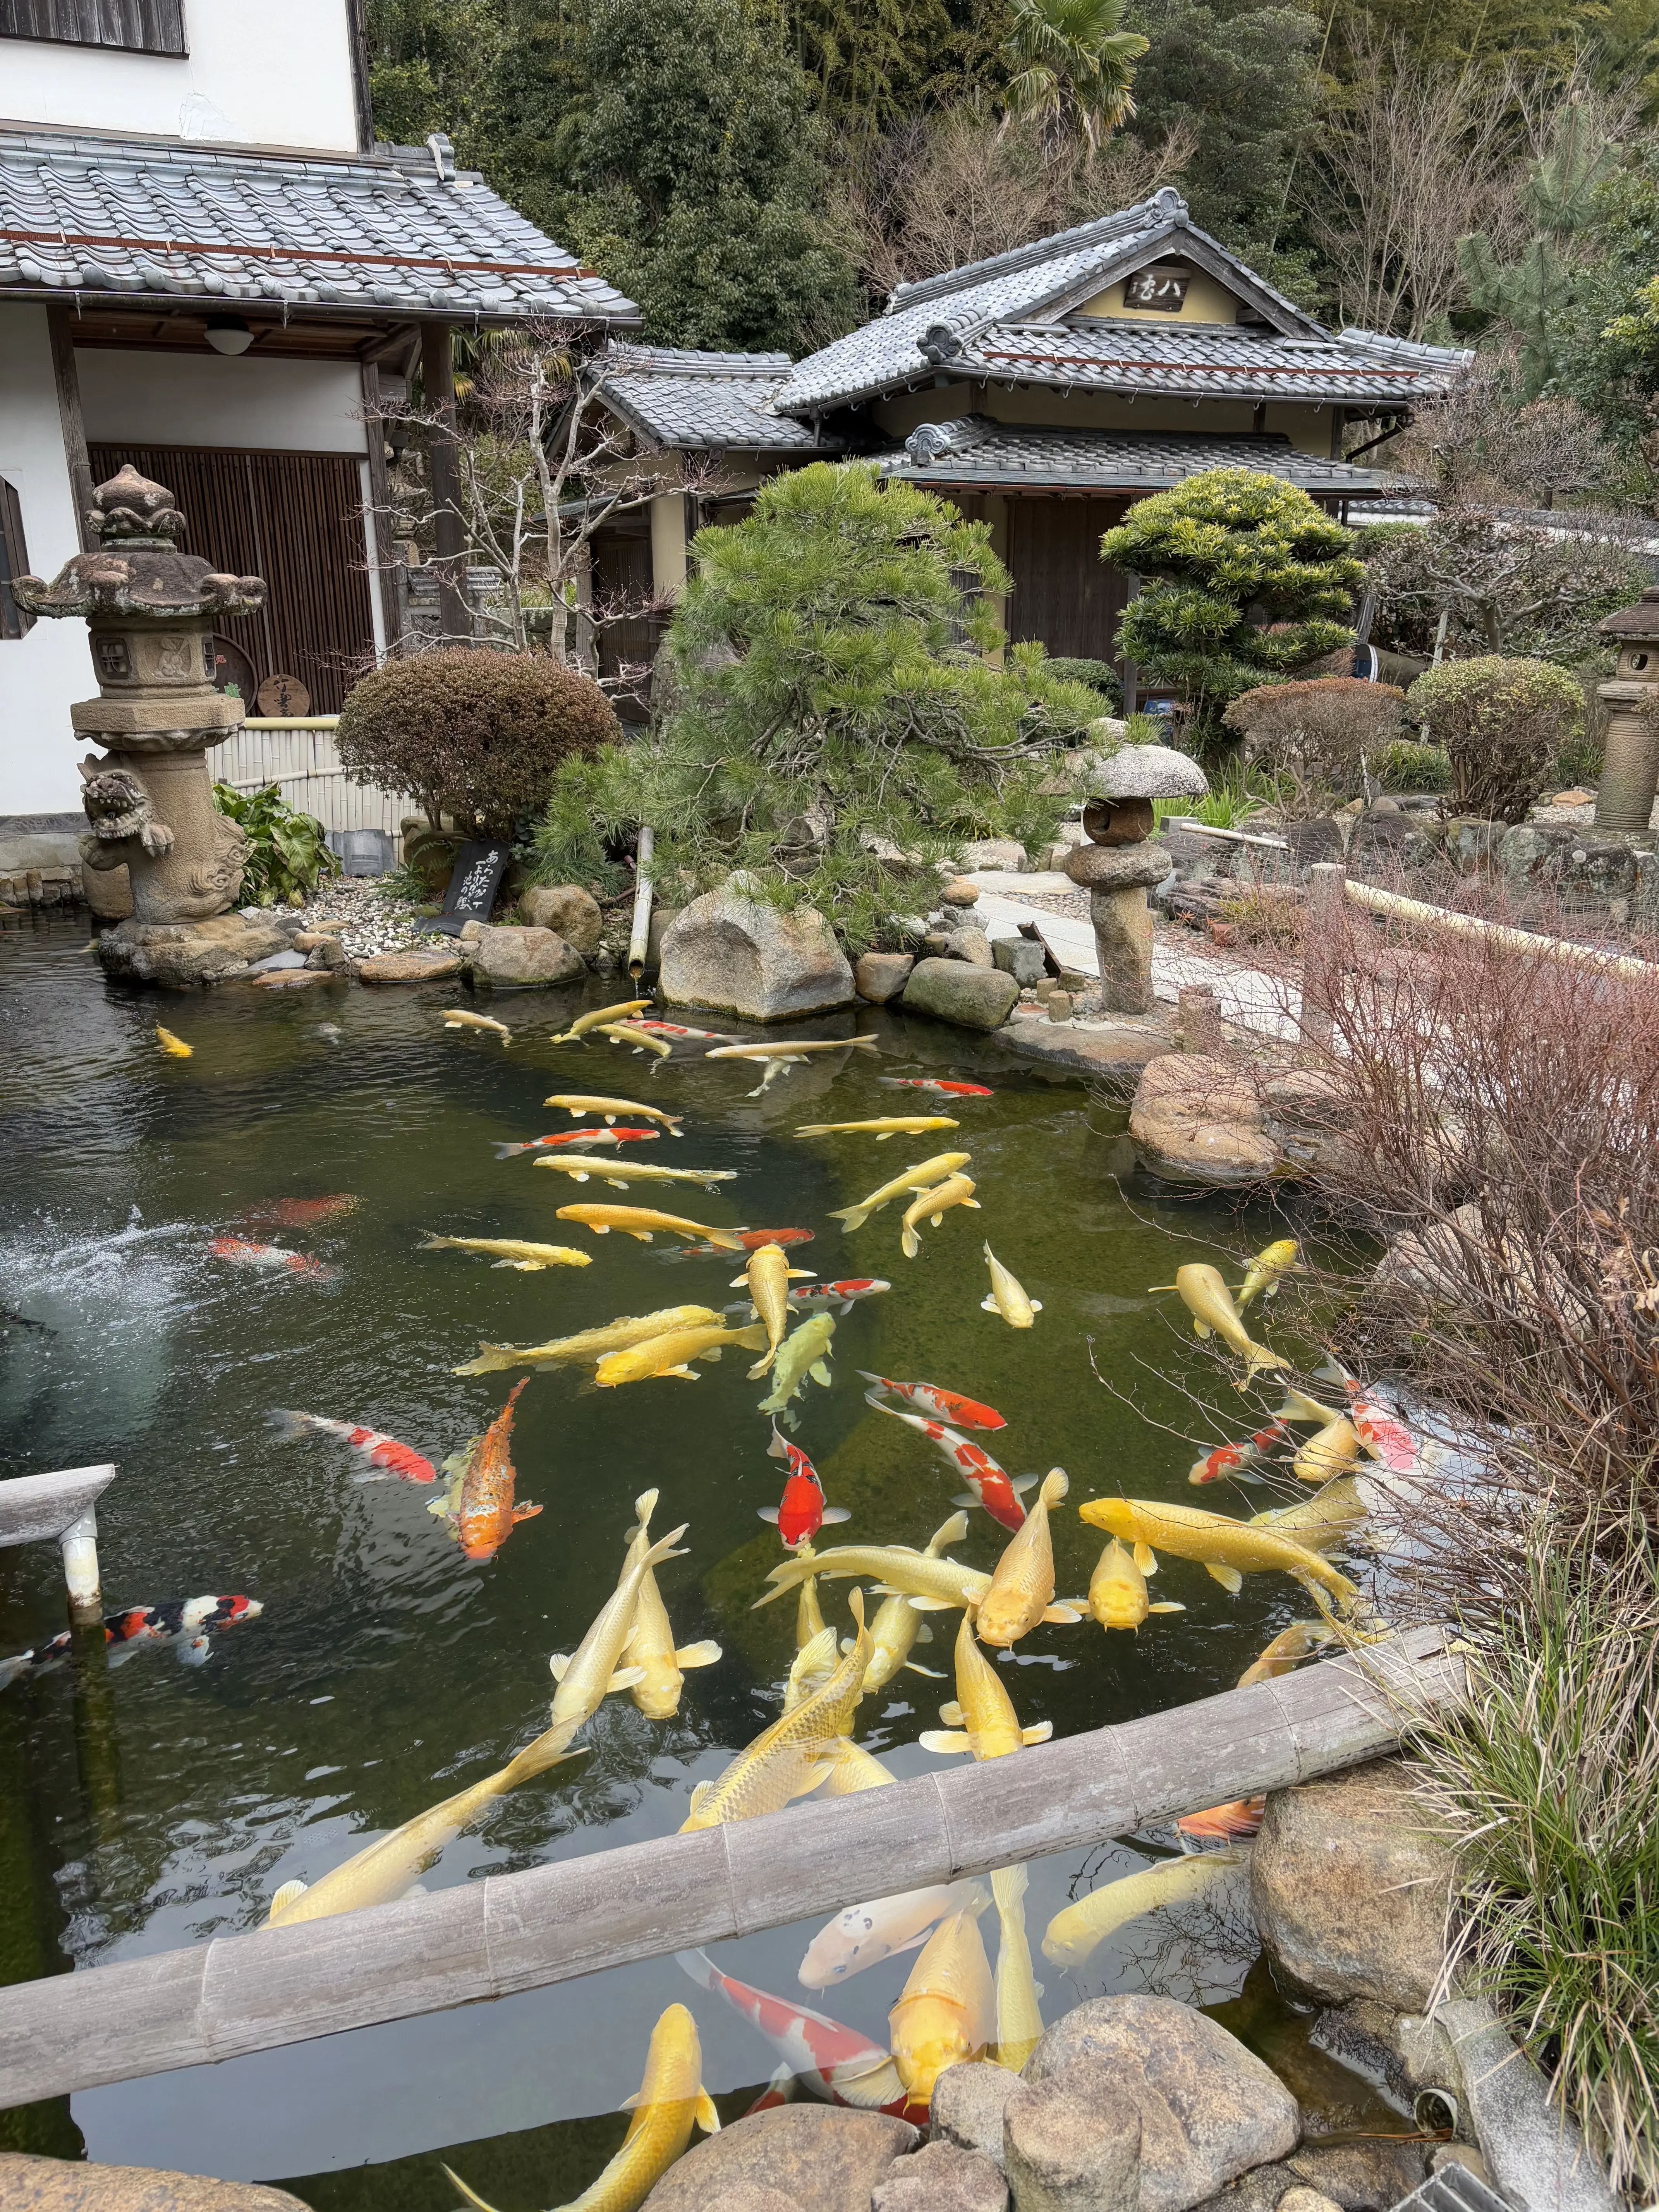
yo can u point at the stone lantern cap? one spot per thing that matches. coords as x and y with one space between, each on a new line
138 571
1641 621
1149 772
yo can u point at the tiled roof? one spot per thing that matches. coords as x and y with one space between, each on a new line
1040 281
715 401
161 223
1448 358
979 454
1196 360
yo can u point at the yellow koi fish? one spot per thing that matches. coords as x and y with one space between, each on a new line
855 1769
620 1173
641 1040
932 1206
1322 1522
579 1105
650 1645
1072 1936
512 1252
1330 1452
895 1125
1227 1550
1117 1591
643 1222
803 1352
932 1585
1019 2016
599 1018
1007 1297
1268 1270
384 1870
792 1049
768 1275
946 2013
1293 1644
796 1753
591 1673
809 1614
1022 1591
672 1354
458 1017
1210 1302
1298 1407
589 1343
668 2101
916 1178
175 1046
814 1663
980 1718
898 1626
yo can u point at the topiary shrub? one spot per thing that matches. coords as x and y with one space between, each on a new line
477 734
1099 676
1317 739
1503 725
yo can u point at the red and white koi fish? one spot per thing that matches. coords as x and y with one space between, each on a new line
803 1511
987 1484
36 1660
240 1253
1228 1459
382 1456
677 1029
942 1404
940 1090
1381 1429
833 2062
750 1239
185 1622
1224 1823
579 1140
813 1296
296 1213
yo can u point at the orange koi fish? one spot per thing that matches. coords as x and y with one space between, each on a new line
480 1505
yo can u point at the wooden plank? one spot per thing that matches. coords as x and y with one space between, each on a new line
448 528
379 492
60 327
36 1507
575 1916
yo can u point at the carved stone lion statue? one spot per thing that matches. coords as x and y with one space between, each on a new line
118 808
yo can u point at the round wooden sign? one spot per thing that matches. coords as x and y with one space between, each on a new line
280 695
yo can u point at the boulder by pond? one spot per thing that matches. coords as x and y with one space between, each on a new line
941 2177
568 911
879 976
1071 2141
433 967
516 955
55 2184
733 954
182 952
952 991
1198 1119
823 2158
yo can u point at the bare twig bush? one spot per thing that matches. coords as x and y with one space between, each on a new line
1322 738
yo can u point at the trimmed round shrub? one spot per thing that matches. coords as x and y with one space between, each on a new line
1099 676
474 733
1317 737
1503 724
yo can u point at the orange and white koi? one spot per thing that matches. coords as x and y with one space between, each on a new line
1231 1459
835 2063
480 1505
802 1512
745 1240
239 1252
382 1456
841 1295
579 1140
1383 1434
942 1405
940 1090
987 1484
680 1034
1226 1824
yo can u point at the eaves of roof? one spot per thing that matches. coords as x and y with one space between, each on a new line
1004 457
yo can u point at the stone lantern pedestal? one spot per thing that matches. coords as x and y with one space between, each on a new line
1118 866
1630 772
150 611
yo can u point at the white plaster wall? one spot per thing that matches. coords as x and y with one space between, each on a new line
255 75
219 400
41 673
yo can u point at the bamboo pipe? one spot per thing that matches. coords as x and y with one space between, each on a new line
551 1923
640 937
1513 940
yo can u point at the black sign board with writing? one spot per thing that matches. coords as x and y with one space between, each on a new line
479 868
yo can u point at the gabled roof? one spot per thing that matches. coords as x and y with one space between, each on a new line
373 234
705 401
1042 282
1195 359
977 453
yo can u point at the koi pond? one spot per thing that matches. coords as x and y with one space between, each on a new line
148 1804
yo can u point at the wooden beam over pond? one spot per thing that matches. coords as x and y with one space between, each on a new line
486 1938
35 1507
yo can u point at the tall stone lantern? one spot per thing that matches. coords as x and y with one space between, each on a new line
151 610
1630 772
1117 866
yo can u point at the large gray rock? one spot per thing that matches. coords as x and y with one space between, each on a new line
1022 957
1071 2141
1195 1119
568 911
1362 2176
823 2158
940 2178
879 977
1117 1056
951 991
737 955
414 967
55 2184
1119 867
523 956
1209 2108
1350 1887
972 945
967 2104
1149 772
180 953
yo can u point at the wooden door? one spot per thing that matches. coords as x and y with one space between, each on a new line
297 520
1063 593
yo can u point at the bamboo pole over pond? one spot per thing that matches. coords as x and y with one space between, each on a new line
240 1994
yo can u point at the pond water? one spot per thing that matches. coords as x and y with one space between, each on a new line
152 1805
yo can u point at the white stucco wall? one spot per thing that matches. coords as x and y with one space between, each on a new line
255 75
41 673
219 400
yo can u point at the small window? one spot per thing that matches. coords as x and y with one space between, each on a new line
1162 286
139 27
14 562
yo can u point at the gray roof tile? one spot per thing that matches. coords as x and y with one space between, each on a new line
1193 360
101 215
699 401
978 454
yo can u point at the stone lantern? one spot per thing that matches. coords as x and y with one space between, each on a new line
1117 866
151 610
1630 772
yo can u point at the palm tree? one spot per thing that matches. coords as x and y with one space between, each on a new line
1074 66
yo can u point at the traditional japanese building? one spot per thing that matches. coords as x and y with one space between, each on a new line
1043 392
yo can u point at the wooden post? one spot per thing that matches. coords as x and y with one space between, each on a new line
79 1545
380 500
1327 880
60 326
438 381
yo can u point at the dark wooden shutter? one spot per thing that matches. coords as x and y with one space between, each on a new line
297 520
141 27
14 562
1064 592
